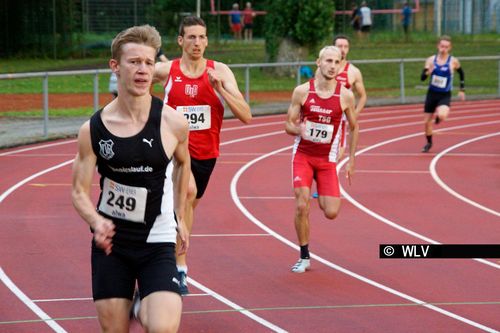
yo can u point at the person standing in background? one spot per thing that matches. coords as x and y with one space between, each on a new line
366 19
235 21
248 16
406 19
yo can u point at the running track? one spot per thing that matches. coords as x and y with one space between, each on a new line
243 242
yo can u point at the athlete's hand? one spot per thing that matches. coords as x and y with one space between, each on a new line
461 95
104 231
349 170
182 237
214 79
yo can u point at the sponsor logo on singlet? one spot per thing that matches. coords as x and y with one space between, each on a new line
319 109
106 149
191 90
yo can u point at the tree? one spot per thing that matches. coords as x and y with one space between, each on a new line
297 25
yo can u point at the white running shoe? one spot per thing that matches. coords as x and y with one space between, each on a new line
301 266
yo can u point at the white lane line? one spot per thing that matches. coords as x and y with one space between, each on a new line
13 188
29 303
387 221
228 235
235 306
253 219
440 182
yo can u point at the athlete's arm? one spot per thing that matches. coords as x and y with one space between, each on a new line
428 68
460 71
347 104
83 173
292 123
162 69
359 89
176 123
224 82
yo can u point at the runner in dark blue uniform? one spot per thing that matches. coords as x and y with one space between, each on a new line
440 67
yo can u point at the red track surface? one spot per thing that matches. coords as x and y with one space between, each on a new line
243 240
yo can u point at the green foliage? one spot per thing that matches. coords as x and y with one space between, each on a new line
307 23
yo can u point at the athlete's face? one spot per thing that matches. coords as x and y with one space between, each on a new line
329 64
343 45
444 47
194 42
134 69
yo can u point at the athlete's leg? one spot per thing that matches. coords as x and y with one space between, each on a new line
191 203
302 207
442 112
161 312
330 206
113 314
328 188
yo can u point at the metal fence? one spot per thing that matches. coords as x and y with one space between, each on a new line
400 86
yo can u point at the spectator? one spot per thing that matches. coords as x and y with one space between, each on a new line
235 21
356 19
366 18
405 19
248 16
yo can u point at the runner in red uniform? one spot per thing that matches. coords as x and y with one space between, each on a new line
350 76
198 87
314 118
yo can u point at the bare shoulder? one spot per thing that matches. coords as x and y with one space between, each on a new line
346 94
175 121
221 67
429 60
300 92
162 69
355 73
455 62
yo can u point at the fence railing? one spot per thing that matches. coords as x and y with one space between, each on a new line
247 77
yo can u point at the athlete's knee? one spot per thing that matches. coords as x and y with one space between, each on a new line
161 327
302 208
191 192
331 212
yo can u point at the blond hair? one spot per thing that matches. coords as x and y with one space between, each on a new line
329 48
142 34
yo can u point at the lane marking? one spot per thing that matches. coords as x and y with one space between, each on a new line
13 188
440 182
235 306
253 219
387 221
279 308
29 303
229 235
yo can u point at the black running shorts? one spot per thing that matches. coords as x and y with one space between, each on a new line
435 99
151 264
202 170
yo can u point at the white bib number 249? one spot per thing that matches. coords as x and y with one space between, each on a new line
123 201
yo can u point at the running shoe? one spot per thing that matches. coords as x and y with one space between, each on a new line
315 195
437 120
301 266
427 147
183 285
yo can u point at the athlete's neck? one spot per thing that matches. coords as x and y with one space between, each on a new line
193 67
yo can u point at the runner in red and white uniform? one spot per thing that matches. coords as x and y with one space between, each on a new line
314 118
198 87
350 76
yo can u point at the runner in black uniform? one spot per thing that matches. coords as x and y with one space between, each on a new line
132 141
